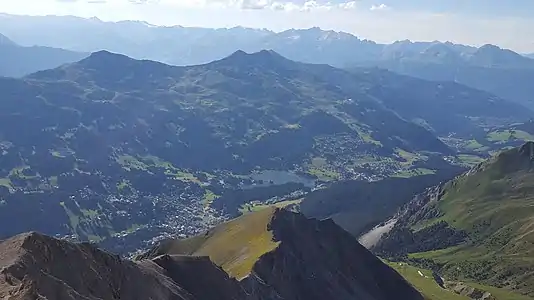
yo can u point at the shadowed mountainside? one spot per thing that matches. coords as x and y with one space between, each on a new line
476 227
17 61
358 206
310 260
297 258
99 148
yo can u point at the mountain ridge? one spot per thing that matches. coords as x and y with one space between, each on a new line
17 61
474 227
34 265
489 68
291 232
493 56
29 272
232 65
291 36
127 134
4 40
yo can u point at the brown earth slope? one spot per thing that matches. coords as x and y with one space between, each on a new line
34 266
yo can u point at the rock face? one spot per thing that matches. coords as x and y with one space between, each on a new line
35 266
201 277
38 267
319 260
311 260
400 239
468 291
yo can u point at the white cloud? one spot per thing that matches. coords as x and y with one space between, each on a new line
380 7
90 1
348 5
254 4
309 5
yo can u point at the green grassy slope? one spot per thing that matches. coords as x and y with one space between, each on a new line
494 205
425 284
432 291
235 245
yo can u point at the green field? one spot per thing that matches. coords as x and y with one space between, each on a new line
414 172
6 182
257 206
432 291
209 196
469 159
506 135
235 245
476 146
425 284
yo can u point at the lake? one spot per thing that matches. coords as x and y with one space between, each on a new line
273 177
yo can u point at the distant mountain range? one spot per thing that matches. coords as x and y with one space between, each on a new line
499 71
17 61
4 41
173 45
190 46
489 68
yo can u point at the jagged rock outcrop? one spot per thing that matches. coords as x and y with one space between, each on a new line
468 291
318 260
417 209
402 239
198 275
34 266
311 260
304 259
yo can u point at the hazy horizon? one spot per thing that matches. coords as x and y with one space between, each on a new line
504 25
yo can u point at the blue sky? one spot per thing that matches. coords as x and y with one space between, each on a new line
507 23
496 8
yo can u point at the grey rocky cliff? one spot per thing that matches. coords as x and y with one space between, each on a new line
319 260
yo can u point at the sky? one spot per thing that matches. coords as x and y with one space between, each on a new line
507 23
